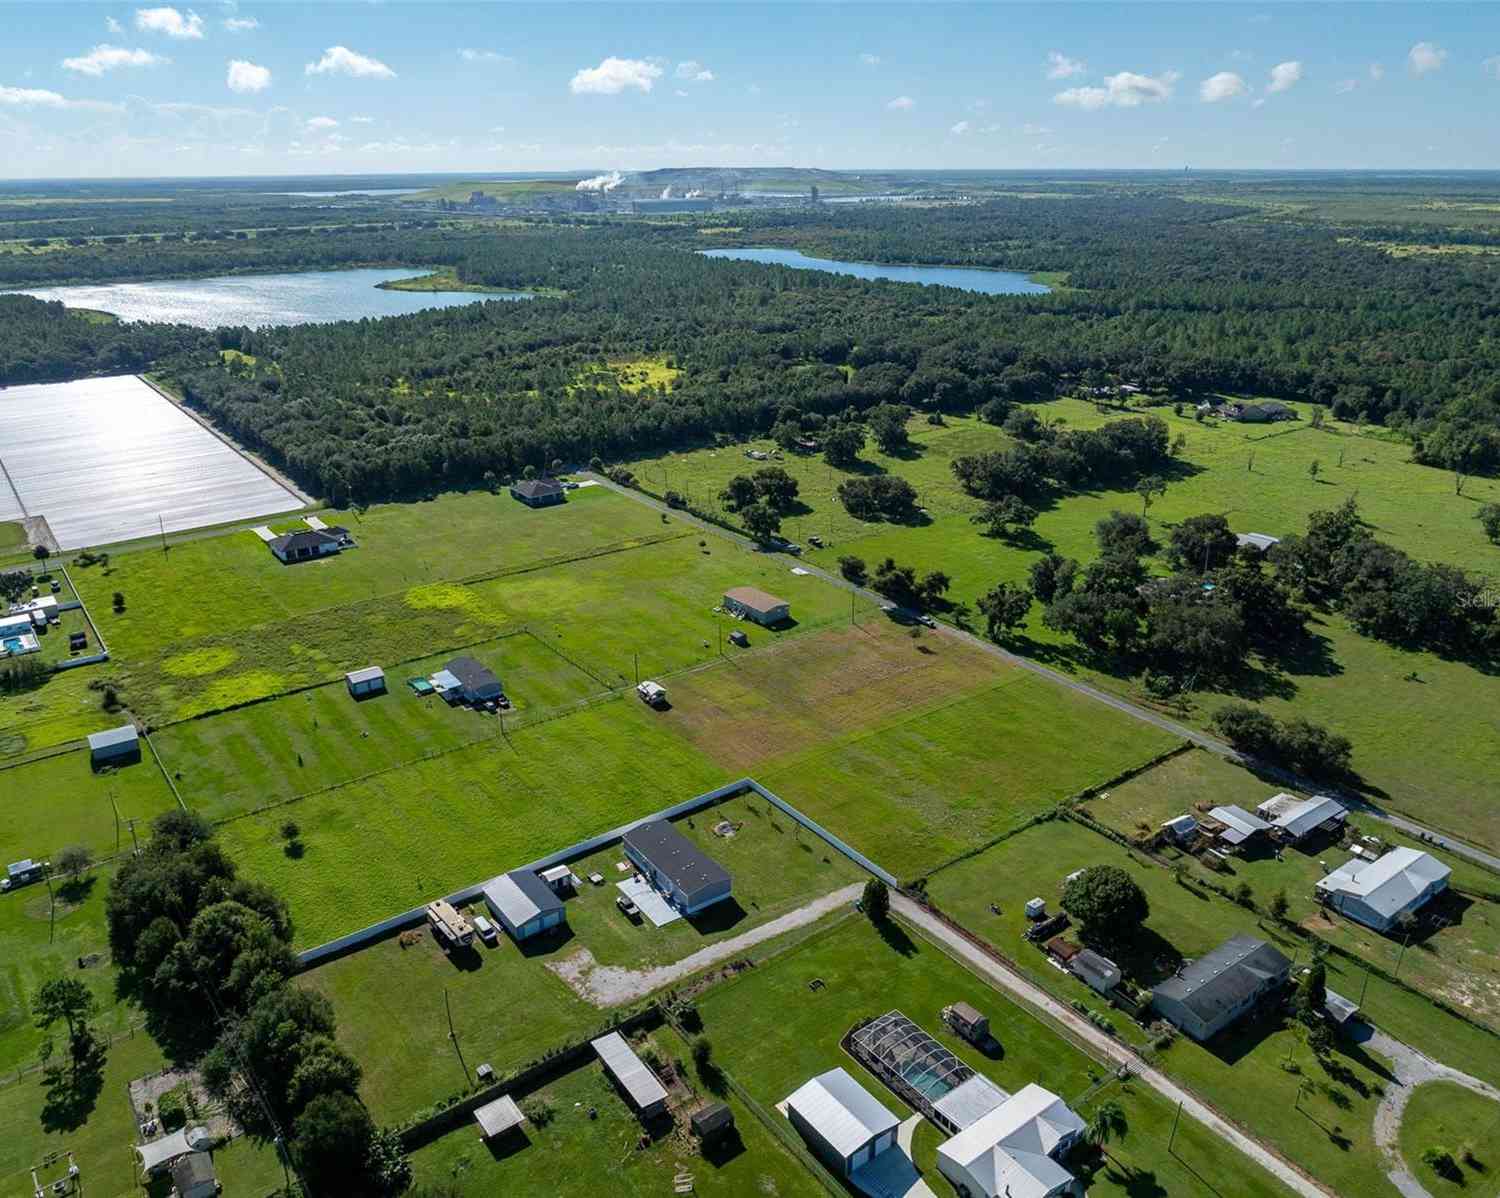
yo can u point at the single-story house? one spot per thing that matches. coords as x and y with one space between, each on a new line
842 1122
309 544
1181 828
1095 970
666 858
498 1117
1259 541
1378 893
631 1074
1261 412
465 680
1015 1149
115 746
1293 819
16 624
1238 825
754 604
38 611
193 1176
368 681
538 492
1207 995
524 905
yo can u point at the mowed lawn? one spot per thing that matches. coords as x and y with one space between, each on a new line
390 985
1458 963
1330 1131
594 1132
771 1033
43 942
1458 1121
51 803
395 840
237 761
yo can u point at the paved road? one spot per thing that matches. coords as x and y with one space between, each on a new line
1412 1069
1106 1047
1202 739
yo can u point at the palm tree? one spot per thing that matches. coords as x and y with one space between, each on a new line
1107 1123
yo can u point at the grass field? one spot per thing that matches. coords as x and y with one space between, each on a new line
1460 963
565 1158
54 802
43 942
12 534
632 375
1465 1125
388 984
771 1033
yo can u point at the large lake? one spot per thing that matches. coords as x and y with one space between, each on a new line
988 282
306 297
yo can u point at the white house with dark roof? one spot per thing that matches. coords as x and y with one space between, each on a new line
1378 893
842 1122
689 879
1205 996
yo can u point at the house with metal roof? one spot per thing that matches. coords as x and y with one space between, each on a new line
1379 893
752 603
842 1122
1261 542
1293 819
1014 1150
1095 970
631 1074
523 904
1205 996
115 746
538 492
690 880
1237 825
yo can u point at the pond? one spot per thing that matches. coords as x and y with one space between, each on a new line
305 297
987 282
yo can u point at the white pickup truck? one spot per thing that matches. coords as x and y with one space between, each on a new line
652 694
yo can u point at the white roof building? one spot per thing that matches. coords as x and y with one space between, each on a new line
1378 893
158 1154
1256 540
1181 827
496 1118
1014 1149
846 1125
1299 818
1239 824
631 1073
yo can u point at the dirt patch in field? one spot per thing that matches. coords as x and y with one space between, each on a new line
801 692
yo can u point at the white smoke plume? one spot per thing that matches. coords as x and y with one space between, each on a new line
601 182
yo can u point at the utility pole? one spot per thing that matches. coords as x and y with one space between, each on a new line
453 1035
1366 985
134 843
1173 1137
116 807
51 903
638 667
162 524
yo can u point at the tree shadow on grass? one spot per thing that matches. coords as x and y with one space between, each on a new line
73 1089
895 936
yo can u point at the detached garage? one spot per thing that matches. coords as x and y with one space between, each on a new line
842 1122
754 604
115 747
524 905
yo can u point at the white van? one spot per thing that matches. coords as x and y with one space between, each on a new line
653 694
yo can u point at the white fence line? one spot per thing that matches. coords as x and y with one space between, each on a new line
407 919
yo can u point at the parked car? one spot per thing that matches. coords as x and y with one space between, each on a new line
628 907
814 540
739 638
487 931
924 618
653 694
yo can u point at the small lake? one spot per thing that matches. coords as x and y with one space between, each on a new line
968 278
305 297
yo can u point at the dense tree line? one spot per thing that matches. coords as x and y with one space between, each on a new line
45 342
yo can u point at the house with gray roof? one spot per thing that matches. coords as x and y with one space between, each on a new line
538 492
1207 995
689 879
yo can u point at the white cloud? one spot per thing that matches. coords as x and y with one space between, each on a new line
35 97
113 25
495 56
322 122
1285 76
171 22
679 93
1377 72
246 77
1223 86
1060 66
1491 66
869 60
1345 86
340 60
960 129
241 24
1036 130
614 75
902 104
369 120
108 58
1125 90
1425 57
694 72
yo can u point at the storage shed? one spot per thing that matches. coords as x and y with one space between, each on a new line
1238 825
117 746
368 681
524 905
690 880
844 1125
755 604
498 1117
631 1074
193 1176
1095 970
712 1121
967 1022
1297 819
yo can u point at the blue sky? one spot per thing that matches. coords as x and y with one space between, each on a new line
314 88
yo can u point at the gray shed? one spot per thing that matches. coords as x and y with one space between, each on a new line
524 904
631 1074
116 746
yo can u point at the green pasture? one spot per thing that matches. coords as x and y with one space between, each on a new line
44 941
1454 1119
234 762
51 803
12 534
771 1033
565 1158
394 840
